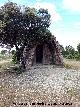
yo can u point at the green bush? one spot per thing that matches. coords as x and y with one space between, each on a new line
70 56
14 58
77 56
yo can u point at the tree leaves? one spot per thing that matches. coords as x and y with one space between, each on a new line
23 27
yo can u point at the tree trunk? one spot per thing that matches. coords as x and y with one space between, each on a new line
19 56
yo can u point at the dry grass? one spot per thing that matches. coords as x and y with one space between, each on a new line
68 63
5 63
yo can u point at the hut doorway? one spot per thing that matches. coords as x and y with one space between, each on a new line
39 54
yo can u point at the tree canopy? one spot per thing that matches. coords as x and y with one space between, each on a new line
20 27
70 50
78 48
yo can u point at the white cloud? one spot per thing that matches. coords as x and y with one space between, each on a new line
72 5
55 16
76 26
67 38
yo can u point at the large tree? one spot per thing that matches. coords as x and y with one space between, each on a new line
19 27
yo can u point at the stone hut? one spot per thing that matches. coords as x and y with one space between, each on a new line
47 52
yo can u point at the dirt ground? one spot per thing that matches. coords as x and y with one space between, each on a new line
52 85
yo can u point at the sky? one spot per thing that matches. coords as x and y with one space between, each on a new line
65 18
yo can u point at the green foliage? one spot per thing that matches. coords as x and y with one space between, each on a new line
78 48
77 56
13 52
22 26
70 56
70 53
14 58
3 52
19 28
70 50
63 50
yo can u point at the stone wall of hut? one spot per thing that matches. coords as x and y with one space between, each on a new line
30 55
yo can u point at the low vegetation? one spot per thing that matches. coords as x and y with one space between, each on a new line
69 52
72 63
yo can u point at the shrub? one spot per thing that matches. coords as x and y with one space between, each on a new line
14 58
77 56
70 56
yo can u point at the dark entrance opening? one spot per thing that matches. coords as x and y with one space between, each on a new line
39 54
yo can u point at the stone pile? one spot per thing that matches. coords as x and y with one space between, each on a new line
51 53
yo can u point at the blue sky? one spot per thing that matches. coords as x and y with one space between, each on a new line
65 18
